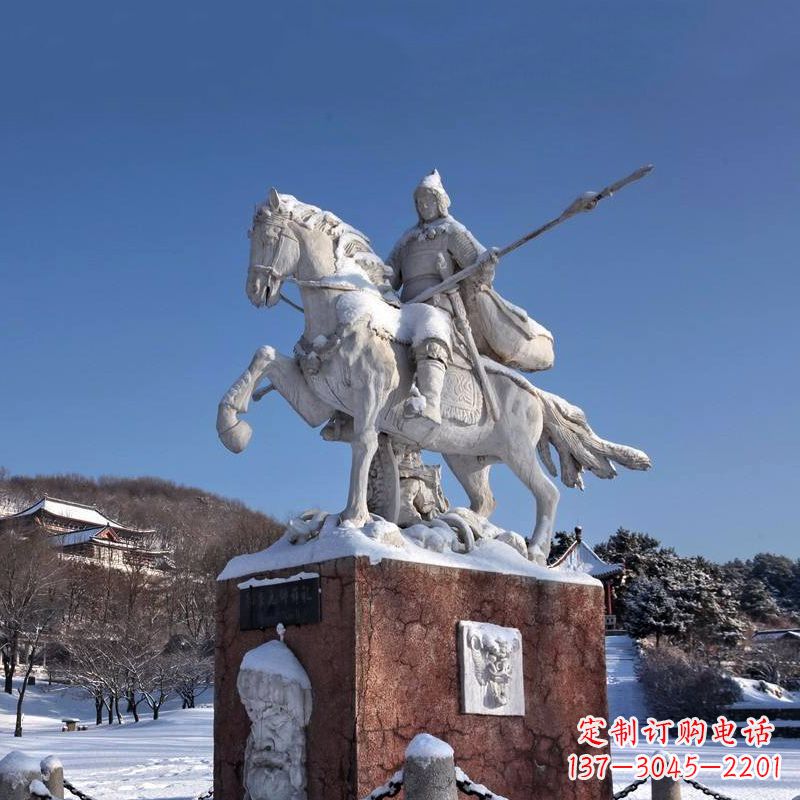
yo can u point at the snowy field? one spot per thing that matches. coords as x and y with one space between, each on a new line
625 699
169 759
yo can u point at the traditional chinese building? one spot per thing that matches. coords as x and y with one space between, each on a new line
778 635
84 531
785 639
579 557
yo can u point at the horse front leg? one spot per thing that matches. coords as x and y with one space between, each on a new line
286 377
364 446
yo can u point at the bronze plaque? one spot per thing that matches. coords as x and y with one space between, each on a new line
292 603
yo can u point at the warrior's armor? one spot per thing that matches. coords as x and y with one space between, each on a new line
433 250
424 256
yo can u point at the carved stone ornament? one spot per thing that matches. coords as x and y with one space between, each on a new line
490 660
276 693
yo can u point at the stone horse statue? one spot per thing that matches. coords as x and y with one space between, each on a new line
354 358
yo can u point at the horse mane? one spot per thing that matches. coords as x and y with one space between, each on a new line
352 248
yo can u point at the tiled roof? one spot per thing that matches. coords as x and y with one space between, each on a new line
76 512
579 557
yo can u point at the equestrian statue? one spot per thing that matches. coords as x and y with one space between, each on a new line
417 352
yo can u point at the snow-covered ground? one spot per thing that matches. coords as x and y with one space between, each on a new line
760 694
625 699
169 759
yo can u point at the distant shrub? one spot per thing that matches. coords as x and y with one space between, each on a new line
675 686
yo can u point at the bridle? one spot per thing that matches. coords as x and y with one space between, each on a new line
284 236
278 229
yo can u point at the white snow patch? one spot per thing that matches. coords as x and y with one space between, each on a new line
38 789
426 748
386 789
342 541
413 322
275 658
762 694
417 401
49 764
300 576
17 767
625 694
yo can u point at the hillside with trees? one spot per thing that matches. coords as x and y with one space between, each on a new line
694 620
131 636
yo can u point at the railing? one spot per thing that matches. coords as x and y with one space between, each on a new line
669 789
430 773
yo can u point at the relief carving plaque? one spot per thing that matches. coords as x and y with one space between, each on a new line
490 660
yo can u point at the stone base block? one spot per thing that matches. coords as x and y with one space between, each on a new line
384 666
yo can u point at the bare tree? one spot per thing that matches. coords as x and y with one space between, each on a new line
193 674
158 682
31 576
35 643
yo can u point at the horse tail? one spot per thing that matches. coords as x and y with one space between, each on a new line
578 446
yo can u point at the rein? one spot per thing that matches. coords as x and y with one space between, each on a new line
342 286
322 284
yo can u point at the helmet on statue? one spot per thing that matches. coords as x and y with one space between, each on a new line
431 187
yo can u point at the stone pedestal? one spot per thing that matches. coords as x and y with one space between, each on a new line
384 666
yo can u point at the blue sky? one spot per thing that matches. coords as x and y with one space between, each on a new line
135 139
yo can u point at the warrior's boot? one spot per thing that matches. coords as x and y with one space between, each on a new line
426 391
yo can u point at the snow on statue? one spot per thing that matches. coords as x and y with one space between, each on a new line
432 369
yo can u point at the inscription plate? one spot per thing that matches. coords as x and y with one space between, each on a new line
296 602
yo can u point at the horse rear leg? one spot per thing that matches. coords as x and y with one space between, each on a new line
520 455
473 474
527 468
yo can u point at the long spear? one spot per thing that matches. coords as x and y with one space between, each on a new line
586 202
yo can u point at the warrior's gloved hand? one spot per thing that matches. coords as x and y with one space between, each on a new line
485 273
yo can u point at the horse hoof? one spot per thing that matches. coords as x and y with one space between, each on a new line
536 555
237 438
349 519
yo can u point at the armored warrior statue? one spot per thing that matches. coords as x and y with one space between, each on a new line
434 249
352 365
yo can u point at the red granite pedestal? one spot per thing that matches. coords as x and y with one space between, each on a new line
383 664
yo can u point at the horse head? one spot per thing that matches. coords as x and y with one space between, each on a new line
274 251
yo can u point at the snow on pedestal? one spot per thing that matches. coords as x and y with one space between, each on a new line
276 693
425 748
17 772
429 769
380 541
53 775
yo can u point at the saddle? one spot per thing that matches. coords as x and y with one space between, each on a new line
462 395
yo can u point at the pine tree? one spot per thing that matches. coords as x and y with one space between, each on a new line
561 543
757 602
650 609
